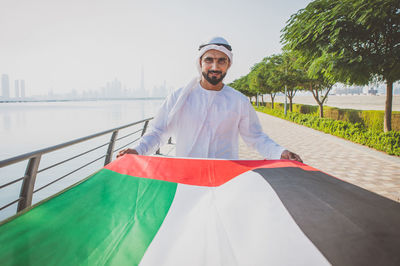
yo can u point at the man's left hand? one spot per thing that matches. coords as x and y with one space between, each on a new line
288 155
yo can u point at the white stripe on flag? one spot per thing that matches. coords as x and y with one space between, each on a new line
242 222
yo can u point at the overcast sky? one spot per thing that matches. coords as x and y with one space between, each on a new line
82 44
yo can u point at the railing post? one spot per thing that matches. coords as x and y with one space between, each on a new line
144 127
111 147
170 140
28 184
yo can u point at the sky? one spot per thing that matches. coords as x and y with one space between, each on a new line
82 44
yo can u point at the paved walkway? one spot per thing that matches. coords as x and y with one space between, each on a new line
354 163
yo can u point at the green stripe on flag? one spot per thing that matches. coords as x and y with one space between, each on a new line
108 219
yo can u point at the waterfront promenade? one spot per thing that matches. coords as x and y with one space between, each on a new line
354 163
362 166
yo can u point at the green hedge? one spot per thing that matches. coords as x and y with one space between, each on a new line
388 142
369 119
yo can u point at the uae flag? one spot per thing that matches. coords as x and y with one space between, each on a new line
142 210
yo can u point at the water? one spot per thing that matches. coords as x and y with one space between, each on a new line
25 127
29 126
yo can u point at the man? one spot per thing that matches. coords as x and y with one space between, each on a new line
207 116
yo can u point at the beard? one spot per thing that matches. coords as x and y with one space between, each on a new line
213 80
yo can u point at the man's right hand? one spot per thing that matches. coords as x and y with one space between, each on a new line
126 151
288 155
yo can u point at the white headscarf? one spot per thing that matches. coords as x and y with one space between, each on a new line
217 47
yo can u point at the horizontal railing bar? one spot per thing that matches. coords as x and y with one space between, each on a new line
130 134
58 179
29 155
74 157
126 145
9 204
12 182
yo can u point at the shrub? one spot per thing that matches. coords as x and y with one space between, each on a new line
369 119
373 119
356 132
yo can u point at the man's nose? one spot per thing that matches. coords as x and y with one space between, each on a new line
214 65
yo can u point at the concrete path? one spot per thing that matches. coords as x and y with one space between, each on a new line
354 163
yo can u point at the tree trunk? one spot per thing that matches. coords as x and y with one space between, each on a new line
387 123
290 104
262 100
321 109
290 94
272 101
315 93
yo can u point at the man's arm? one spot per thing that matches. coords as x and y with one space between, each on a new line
251 132
158 133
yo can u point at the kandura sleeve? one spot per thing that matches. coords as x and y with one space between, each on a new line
252 134
158 132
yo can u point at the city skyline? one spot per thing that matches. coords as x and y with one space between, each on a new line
80 45
61 47
6 89
116 89
112 89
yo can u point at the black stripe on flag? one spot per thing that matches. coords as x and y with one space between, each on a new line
348 224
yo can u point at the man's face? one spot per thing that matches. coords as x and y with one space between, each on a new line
214 65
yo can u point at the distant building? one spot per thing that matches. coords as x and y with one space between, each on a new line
116 87
22 85
16 88
372 91
348 90
160 91
113 89
141 92
5 86
142 88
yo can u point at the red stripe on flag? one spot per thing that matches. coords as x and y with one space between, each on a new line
198 172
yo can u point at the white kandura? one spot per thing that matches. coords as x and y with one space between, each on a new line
207 125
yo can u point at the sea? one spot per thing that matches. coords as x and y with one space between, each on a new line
31 126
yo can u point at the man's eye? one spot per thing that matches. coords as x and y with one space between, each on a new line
222 61
208 60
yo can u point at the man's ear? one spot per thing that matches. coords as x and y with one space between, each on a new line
229 64
200 62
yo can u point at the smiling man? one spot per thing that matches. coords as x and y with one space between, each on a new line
206 117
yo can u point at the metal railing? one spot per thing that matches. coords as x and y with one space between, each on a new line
32 169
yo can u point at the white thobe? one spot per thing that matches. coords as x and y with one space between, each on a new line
208 126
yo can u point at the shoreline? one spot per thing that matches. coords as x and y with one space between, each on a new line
357 102
79 100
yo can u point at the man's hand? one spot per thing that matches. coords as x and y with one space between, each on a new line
126 151
290 156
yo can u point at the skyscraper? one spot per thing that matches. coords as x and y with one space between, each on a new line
116 88
142 89
5 86
16 88
22 84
